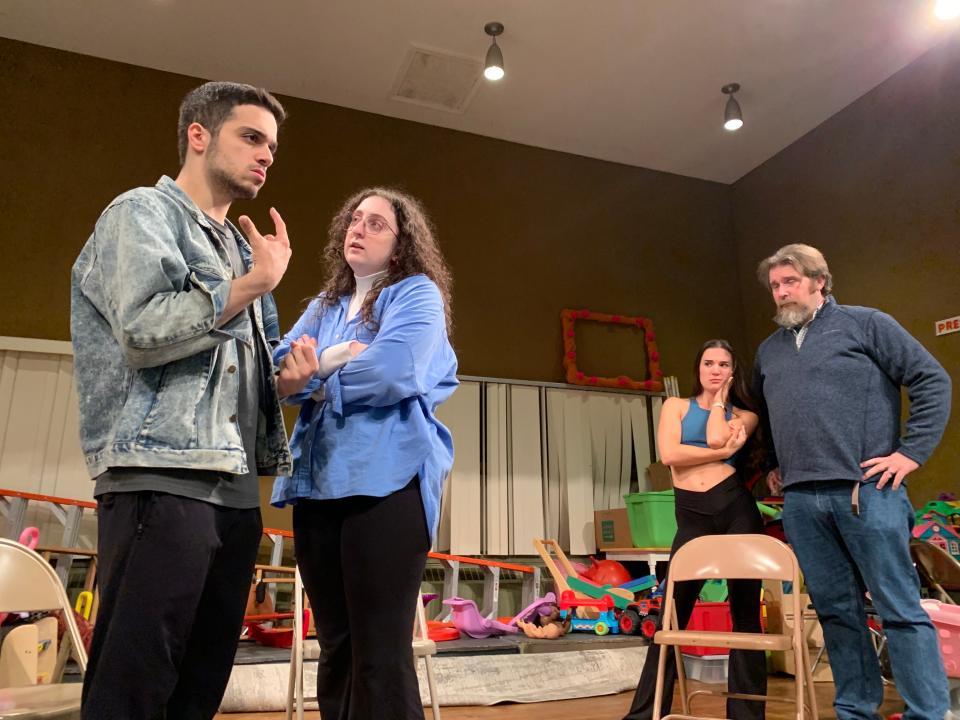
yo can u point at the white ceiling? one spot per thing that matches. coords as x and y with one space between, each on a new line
632 81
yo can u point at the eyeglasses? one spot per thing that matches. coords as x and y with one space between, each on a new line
373 224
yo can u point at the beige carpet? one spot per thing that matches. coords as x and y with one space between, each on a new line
467 679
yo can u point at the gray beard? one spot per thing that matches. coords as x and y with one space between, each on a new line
792 315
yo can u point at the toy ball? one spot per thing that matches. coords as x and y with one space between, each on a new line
607 572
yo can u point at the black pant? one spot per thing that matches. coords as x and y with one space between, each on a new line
362 561
725 509
174 575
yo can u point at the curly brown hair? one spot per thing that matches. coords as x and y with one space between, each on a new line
417 253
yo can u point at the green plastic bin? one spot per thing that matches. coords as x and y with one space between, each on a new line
653 522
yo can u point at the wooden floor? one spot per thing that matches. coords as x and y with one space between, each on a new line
613 707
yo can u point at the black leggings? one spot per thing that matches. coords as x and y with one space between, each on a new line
725 509
362 561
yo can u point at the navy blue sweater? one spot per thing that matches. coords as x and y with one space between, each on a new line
835 402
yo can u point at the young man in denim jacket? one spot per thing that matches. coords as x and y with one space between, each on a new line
830 378
172 323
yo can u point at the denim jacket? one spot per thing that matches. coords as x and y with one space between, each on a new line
157 382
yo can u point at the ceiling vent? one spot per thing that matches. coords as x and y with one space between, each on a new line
437 79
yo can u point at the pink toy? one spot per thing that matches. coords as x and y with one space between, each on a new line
946 620
30 537
467 618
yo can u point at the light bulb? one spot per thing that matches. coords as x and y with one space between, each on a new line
947 9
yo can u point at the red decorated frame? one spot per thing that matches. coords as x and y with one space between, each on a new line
575 376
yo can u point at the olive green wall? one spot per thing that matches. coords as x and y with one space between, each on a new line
877 189
526 231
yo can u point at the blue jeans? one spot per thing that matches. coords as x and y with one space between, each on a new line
842 555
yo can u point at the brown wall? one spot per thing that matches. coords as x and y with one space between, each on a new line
526 231
876 188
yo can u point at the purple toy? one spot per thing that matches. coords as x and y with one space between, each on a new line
467 618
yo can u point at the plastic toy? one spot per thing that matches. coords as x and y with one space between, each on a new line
946 619
30 537
640 584
945 537
442 631
604 623
280 637
467 618
84 604
621 597
606 572
550 626
949 511
641 617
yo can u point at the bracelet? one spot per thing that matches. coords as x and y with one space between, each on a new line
720 405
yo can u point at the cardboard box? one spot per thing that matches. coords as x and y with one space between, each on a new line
612 528
660 477
780 620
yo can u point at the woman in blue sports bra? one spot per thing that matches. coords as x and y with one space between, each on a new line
700 438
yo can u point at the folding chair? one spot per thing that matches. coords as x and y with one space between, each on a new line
423 647
29 584
736 557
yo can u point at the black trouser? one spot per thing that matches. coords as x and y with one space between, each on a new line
362 561
725 509
174 575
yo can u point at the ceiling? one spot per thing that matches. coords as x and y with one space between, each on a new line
630 81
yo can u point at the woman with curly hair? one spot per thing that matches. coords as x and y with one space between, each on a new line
369 362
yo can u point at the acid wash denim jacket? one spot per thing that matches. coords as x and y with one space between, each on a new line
156 380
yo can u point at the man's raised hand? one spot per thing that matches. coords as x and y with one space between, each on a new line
271 253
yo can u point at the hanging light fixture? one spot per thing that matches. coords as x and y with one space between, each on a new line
947 9
732 115
493 67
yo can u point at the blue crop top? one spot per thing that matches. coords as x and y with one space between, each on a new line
693 428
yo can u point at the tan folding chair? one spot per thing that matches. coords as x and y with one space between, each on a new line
29 584
735 557
423 647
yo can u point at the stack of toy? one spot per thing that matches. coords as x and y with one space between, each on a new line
938 523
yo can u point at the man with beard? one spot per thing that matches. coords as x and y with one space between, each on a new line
830 378
172 321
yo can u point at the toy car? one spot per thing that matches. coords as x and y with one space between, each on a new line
641 617
604 623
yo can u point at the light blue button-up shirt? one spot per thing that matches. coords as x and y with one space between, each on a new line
375 427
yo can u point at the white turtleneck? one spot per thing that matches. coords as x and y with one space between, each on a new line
336 356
